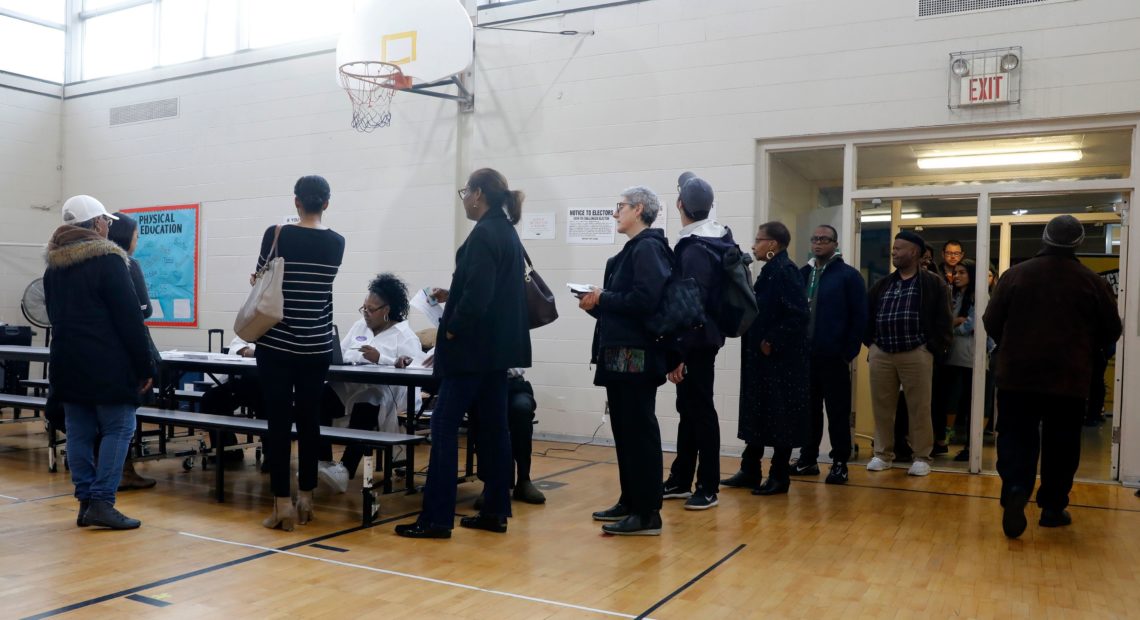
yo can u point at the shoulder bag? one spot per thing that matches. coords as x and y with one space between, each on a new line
265 306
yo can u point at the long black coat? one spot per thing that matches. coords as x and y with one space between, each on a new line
774 389
486 309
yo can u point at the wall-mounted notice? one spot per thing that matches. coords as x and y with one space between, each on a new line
538 226
590 226
168 254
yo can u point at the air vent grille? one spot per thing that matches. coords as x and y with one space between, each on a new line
147 111
935 8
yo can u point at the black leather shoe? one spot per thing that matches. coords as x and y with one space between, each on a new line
617 512
418 530
1013 521
740 480
805 468
525 491
103 514
84 504
635 525
484 522
1055 518
772 487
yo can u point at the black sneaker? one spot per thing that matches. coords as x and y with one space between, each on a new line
805 468
838 474
700 501
741 480
1055 518
939 449
104 514
635 525
672 490
617 512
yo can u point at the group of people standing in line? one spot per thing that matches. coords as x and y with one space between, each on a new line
795 357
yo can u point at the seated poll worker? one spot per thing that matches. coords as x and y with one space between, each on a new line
381 337
234 393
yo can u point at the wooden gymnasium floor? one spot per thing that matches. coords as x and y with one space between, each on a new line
886 546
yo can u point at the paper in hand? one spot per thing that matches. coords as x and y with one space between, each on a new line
579 289
431 309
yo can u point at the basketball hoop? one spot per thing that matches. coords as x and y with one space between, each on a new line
371 85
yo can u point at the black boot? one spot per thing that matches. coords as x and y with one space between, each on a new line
636 525
104 514
1013 517
84 504
741 480
485 522
1055 518
773 486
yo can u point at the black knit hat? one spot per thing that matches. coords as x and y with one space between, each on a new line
1064 231
912 237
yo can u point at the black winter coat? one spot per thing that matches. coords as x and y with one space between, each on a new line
699 258
775 389
100 352
840 311
631 292
486 311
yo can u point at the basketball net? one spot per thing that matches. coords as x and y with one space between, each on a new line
370 86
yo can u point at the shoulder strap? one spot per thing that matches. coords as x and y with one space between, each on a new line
273 249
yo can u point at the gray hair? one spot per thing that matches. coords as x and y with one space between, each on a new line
88 224
641 195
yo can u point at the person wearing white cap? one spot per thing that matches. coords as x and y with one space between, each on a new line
1049 316
100 356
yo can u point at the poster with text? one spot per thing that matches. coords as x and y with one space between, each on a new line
168 254
590 226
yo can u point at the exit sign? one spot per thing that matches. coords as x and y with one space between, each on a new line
982 89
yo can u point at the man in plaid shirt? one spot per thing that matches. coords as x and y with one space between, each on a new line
909 323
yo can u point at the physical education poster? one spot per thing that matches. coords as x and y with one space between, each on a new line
168 254
590 226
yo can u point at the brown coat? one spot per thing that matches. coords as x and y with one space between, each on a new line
1049 316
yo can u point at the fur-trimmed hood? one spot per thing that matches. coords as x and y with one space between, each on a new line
71 245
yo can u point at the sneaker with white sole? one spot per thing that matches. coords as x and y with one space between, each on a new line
878 464
701 501
919 468
334 475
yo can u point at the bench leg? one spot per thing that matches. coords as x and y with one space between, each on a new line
219 489
388 472
371 505
410 468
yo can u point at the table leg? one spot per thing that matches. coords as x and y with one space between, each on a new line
219 470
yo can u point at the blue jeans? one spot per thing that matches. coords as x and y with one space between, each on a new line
112 426
485 397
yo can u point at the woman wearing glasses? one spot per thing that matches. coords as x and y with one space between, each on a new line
630 363
483 333
293 356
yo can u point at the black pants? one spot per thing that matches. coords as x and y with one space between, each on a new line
520 423
227 397
1097 389
830 385
637 438
1030 424
698 433
291 391
750 462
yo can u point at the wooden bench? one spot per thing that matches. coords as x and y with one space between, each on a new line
217 424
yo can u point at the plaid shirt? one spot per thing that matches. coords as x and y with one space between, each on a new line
897 325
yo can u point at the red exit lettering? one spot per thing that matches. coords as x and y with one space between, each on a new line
986 88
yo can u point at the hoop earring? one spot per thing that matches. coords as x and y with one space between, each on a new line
770 255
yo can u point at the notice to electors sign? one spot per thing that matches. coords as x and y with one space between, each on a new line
590 226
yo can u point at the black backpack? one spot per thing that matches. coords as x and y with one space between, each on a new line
679 310
737 308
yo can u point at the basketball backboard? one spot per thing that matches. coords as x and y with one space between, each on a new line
430 40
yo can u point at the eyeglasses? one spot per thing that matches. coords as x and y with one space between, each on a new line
365 310
822 240
617 209
463 192
945 253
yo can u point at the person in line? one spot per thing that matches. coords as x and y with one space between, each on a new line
928 260
958 372
698 253
774 384
952 254
382 336
908 325
1048 304
293 356
124 233
630 362
837 300
484 332
521 408
100 357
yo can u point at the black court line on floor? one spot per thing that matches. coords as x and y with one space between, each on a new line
138 598
329 548
250 558
690 583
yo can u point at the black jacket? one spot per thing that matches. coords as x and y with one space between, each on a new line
699 258
100 350
486 310
841 309
935 318
632 286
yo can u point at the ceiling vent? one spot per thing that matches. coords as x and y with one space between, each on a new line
937 8
141 112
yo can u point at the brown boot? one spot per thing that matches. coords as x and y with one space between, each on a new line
283 515
304 507
132 480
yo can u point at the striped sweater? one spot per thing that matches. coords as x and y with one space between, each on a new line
312 258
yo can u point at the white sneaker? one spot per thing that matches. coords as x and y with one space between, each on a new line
878 464
919 468
334 475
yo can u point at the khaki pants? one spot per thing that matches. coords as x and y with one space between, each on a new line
914 371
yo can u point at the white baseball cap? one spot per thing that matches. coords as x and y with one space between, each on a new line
82 208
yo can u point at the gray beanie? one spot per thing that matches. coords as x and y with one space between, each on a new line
1064 231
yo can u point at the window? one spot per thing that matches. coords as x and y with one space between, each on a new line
272 22
118 42
32 38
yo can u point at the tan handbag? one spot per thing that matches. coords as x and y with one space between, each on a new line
265 306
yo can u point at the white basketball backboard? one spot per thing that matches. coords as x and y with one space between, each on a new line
429 39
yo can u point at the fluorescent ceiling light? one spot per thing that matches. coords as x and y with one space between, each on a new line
1000 159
